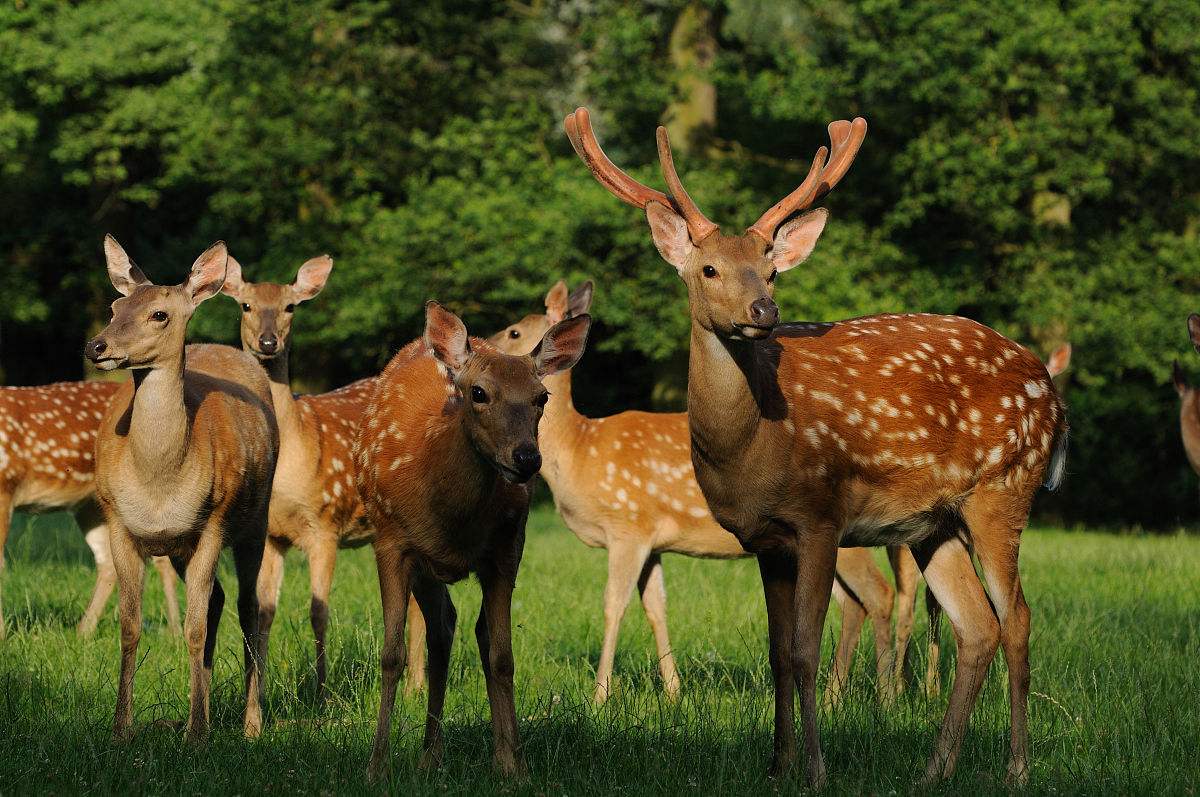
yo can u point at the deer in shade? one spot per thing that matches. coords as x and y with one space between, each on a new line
185 456
47 463
314 504
444 451
1189 401
625 483
924 430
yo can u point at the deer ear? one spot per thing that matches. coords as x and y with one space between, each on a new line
1060 360
124 274
311 277
561 346
1194 330
233 278
795 241
670 234
208 273
581 299
446 335
556 302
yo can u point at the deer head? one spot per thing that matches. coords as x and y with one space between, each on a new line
521 337
267 308
730 279
149 322
502 394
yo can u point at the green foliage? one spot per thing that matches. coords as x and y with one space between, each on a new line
1034 166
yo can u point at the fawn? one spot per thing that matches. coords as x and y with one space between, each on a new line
314 503
625 483
446 446
185 456
924 430
47 462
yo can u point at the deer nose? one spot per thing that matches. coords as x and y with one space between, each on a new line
94 349
527 460
268 344
764 312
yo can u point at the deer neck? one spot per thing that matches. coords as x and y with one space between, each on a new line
725 380
287 414
561 428
159 426
459 463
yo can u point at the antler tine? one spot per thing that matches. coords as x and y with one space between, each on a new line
579 129
846 139
699 227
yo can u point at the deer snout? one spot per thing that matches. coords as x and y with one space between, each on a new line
764 312
94 349
527 460
268 344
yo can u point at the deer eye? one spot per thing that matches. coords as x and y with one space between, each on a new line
290 308
540 401
774 274
245 307
710 272
479 395
514 333
159 315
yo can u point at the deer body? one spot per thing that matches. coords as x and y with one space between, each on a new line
185 457
929 431
448 441
47 463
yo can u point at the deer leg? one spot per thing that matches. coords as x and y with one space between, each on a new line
166 573
493 631
433 601
247 561
625 563
6 510
996 544
414 673
950 574
106 579
814 582
653 589
778 572
933 675
904 568
395 576
857 568
205 599
270 579
853 616
130 570
322 557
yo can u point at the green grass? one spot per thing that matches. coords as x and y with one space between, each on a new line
1115 708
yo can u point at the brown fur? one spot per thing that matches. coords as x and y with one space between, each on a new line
185 456
47 463
314 504
435 470
894 429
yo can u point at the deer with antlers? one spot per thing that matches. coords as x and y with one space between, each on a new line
625 483
47 445
314 503
446 446
185 457
925 430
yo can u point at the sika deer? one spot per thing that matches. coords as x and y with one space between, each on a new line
926 430
1189 408
47 445
448 441
314 504
184 461
625 483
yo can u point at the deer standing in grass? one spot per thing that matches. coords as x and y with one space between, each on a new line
185 456
446 446
314 503
625 483
924 430
47 463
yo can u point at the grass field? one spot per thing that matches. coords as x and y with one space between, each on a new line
1115 705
